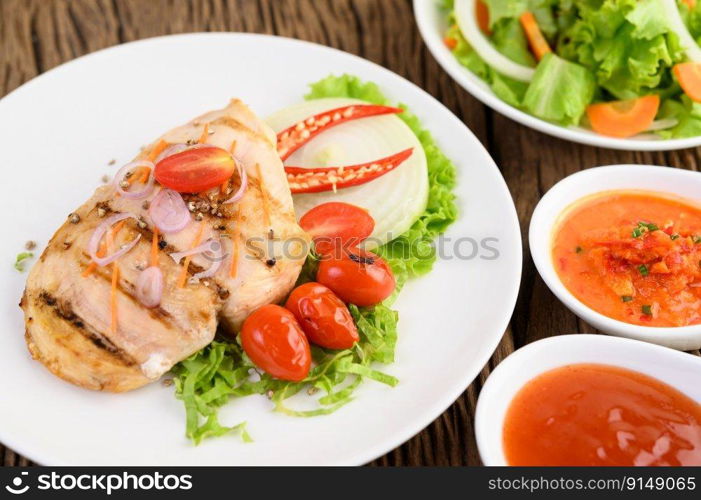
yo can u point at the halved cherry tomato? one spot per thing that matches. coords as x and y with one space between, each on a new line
689 76
623 118
337 225
357 277
274 341
195 170
323 316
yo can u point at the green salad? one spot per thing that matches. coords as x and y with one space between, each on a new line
619 67
222 371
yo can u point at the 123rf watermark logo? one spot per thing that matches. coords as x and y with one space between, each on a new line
106 483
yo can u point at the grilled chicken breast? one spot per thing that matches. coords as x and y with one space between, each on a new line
68 310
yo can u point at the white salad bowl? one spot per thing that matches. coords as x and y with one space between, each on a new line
682 183
431 19
530 361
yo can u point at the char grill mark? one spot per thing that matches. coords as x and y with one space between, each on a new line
64 311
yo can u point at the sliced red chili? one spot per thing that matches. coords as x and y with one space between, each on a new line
317 179
294 137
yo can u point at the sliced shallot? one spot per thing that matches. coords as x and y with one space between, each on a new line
211 246
149 287
169 212
129 167
243 177
99 233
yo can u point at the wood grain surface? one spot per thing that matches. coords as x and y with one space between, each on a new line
36 35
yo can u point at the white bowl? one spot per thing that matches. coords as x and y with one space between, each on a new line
684 183
514 372
432 24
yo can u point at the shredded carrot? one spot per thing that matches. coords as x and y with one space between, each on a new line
154 249
205 134
141 174
235 237
102 251
113 296
264 194
183 274
539 45
157 150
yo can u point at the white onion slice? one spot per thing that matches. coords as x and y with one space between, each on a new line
467 22
97 236
662 124
121 173
149 287
212 246
394 200
676 24
169 212
243 177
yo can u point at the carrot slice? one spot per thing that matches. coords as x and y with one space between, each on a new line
450 42
157 150
154 248
623 118
690 3
536 40
689 76
482 15
205 134
183 274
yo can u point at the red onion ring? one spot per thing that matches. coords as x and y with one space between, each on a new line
135 195
96 237
169 212
149 287
244 182
214 247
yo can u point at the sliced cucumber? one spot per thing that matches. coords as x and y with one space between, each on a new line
394 200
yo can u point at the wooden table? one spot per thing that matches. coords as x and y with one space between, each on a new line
36 35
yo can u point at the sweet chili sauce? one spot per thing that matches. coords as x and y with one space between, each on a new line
601 415
634 256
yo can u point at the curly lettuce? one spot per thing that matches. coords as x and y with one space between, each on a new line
221 372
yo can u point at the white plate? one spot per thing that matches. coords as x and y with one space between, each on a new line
530 361
671 181
432 24
58 133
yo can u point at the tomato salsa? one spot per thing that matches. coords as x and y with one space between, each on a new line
634 256
601 415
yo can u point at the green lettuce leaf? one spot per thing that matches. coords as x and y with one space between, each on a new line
560 90
687 112
212 377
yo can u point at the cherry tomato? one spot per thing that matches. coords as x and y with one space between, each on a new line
337 225
323 316
195 170
274 341
357 277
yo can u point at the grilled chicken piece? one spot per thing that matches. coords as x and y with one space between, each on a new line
68 315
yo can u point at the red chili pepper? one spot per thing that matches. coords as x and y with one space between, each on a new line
294 137
317 179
